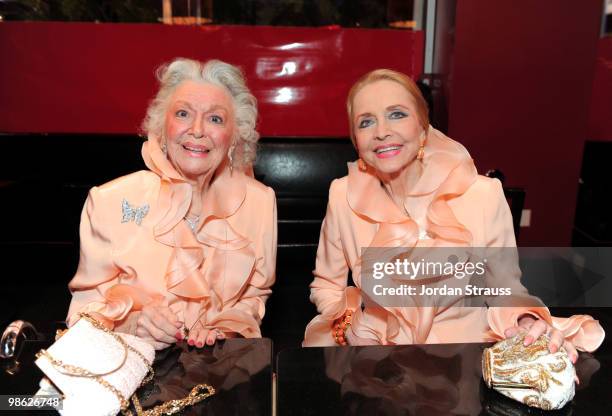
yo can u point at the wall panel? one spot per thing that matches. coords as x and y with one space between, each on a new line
98 78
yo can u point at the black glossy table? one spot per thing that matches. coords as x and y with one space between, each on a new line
434 379
239 369
437 379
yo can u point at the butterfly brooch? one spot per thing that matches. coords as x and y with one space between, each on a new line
131 213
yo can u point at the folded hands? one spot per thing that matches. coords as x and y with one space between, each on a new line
161 327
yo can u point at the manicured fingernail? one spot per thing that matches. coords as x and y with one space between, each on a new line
210 341
553 348
178 336
199 344
528 340
190 342
221 336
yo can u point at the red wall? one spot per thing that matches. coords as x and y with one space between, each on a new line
98 78
521 85
600 114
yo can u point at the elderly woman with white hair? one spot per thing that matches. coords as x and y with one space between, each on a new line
186 250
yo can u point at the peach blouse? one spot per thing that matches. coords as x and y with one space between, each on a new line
450 206
136 247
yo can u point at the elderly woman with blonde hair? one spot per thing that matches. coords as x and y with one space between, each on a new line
173 252
412 188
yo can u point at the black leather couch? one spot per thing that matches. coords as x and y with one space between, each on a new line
44 180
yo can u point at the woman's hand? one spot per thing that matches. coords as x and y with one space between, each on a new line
204 336
536 327
158 325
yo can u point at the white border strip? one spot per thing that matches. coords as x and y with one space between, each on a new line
430 36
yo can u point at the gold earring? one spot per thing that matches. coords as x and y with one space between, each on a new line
421 152
362 165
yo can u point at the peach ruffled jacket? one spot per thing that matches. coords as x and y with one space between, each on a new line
450 206
221 274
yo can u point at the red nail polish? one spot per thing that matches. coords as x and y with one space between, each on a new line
199 345
190 342
178 336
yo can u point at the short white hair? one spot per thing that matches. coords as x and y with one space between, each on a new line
215 72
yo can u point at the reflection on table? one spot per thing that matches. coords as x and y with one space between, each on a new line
436 379
239 369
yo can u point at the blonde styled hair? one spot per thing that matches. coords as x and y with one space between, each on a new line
214 72
389 75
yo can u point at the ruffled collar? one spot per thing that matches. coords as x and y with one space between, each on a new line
367 198
225 195
189 274
448 171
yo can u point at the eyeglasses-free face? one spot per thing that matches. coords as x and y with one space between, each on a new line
199 126
386 126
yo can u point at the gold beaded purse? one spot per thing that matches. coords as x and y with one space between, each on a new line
97 370
529 374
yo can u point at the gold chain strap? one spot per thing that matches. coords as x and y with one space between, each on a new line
171 407
98 325
73 370
197 394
